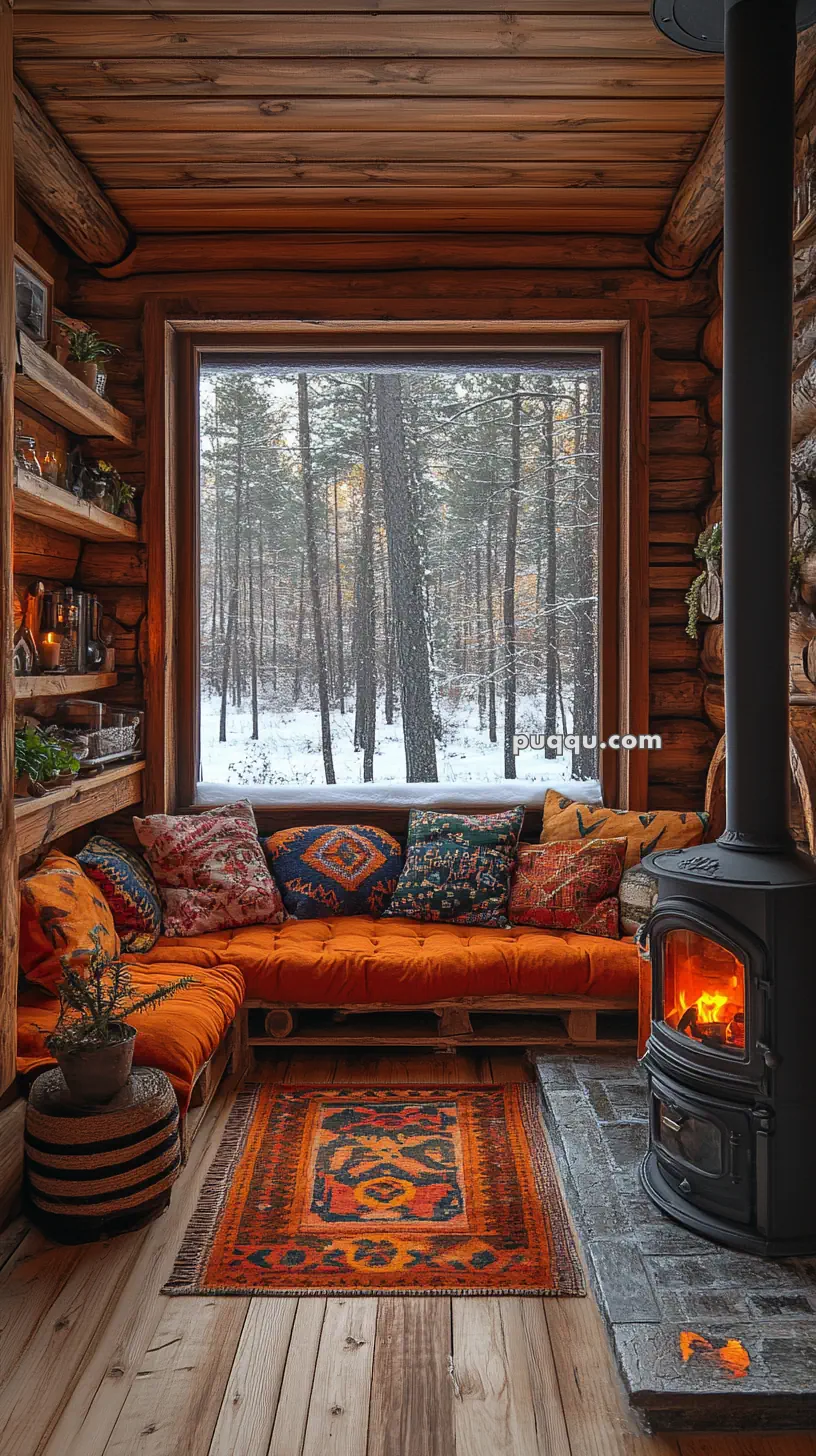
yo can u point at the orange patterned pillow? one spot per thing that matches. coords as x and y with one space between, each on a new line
651 830
59 907
569 886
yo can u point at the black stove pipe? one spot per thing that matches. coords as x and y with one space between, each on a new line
760 54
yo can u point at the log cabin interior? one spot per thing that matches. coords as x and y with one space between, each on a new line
376 594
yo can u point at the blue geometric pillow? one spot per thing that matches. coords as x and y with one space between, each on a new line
334 869
129 888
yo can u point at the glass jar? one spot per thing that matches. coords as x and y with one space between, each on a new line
25 453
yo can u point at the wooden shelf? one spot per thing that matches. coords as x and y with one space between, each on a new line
47 386
39 500
39 821
52 685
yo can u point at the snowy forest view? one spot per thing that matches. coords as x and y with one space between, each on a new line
399 573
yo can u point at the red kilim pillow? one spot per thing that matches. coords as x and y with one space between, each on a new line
210 870
570 885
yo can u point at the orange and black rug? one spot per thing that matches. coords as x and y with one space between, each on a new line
398 1190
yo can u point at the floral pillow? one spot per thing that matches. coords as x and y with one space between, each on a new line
128 887
62 913
210 870
335 869
458 867
569 886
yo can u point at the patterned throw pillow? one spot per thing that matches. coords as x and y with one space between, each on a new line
59 907
128 887
653 829
637 894
335 869
569 886
458 867
210 870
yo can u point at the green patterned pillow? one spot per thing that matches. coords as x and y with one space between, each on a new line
458 867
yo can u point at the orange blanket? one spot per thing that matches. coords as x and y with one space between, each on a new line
178 1035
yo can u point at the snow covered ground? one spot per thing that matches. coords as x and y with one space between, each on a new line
286 761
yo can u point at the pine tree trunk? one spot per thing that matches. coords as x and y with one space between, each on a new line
509 597
585 760
275 622
365 605
491 631
550 574
407 586
481 697
338 586
299 637
307 481
253 652
230 640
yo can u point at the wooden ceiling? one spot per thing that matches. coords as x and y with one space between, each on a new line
562 116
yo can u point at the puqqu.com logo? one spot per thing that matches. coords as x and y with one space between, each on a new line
570 742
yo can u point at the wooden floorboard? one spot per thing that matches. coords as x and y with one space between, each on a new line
96 1361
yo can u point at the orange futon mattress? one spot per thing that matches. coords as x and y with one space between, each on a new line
179 1035
356 960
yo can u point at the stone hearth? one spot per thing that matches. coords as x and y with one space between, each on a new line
654 1280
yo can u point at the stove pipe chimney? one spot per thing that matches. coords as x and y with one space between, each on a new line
759 38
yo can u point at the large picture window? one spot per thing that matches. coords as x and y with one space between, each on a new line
399 573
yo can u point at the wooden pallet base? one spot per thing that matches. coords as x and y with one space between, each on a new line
513 1022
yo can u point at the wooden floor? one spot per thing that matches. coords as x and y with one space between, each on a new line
94 1359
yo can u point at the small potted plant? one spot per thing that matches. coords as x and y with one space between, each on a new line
87 350
43 760
92 1040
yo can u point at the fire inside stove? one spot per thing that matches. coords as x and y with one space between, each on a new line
704 990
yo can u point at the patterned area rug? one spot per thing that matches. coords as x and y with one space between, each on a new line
357 1190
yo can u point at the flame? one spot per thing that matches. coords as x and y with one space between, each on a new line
731 1357
710 1006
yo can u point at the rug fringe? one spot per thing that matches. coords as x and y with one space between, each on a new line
342 1293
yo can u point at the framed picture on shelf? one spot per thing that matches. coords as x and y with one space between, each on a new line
33 296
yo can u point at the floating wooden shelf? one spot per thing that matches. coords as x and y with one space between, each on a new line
54 686
39 821
47 386
39 500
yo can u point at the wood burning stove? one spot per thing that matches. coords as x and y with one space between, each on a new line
731 1058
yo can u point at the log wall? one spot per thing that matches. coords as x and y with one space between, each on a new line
445 287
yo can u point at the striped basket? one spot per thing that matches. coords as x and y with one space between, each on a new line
91 1172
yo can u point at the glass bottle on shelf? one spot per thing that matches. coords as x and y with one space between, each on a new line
68 625
25 453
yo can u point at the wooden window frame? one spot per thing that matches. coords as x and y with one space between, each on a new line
174 346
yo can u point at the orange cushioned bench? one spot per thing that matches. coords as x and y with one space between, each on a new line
357 960
179 1035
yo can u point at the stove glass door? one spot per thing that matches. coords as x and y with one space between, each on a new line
704 991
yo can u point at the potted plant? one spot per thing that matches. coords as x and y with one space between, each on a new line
87 348
92 1040
43 760
118 492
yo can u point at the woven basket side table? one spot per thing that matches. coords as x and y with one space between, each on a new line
92 1172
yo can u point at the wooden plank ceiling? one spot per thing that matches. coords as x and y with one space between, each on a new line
562 116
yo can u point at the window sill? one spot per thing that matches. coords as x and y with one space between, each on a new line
464 797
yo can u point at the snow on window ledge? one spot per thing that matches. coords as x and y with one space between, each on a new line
502 795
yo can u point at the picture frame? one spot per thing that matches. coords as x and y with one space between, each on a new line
33 297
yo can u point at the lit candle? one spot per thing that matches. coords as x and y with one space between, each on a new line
50 644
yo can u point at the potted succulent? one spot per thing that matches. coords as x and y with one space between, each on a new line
92 1040
87 349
